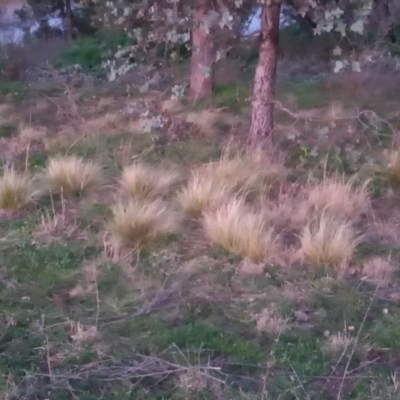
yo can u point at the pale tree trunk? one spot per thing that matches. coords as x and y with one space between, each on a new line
262 119
203 58
68 19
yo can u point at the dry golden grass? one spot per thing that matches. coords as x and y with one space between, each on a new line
72 175
244 172
339 198
207 121
240 230
214 183
287 213
135 224
391 169
328 241
271 321
29 133
340 343
103 124
202 193
142 181
16 190
378 270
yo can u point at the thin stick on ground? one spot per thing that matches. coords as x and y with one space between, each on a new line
298 380
355 344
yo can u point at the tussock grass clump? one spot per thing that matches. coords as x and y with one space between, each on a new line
244 172
378 270
391 169
72 175
339 198
143 181
213 184
239 230
135 224
103 123
202 193
328 241
16 190
29 133
339 343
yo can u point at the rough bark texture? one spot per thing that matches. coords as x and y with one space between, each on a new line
262 120
203 59
68 19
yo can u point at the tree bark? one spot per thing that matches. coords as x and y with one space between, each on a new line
203 58
68 19
381 20
262 119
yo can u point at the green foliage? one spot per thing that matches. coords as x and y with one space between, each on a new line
13 88
89 51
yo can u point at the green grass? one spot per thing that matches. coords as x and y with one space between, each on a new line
89 51
14 89
185 311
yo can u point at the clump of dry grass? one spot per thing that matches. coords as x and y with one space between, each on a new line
29 133
391 169
378 270
16 190
214 183
288 212
208 121
239 230
72 175
270 321
142 181
328 241
244 172
103 123
202 193
135 224
339 198
339 343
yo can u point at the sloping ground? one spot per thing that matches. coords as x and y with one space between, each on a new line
304 305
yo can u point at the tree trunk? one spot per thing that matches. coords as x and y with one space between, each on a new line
68 19
380 20
262 119
203 58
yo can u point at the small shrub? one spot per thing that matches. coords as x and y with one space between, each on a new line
16 190
339 198
378 270
328 241
142 181
72 175
239 230
136 224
